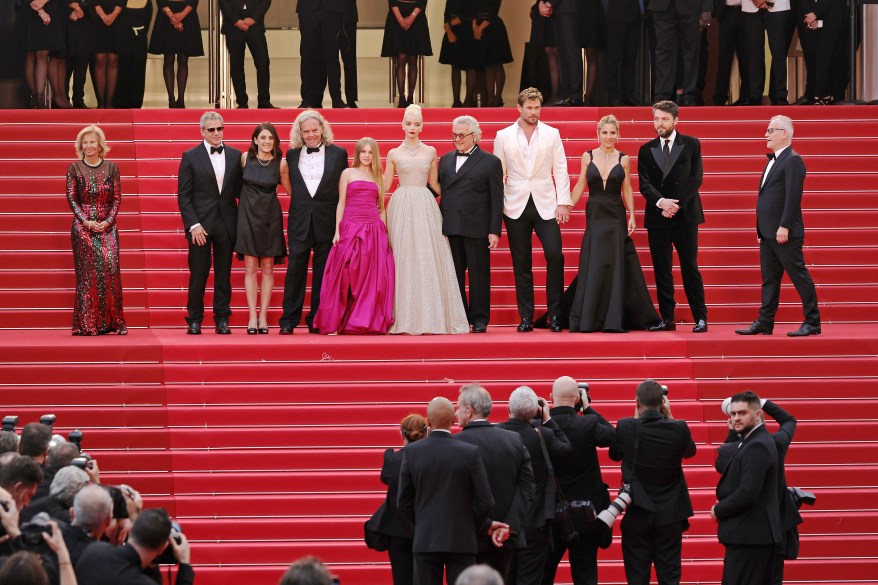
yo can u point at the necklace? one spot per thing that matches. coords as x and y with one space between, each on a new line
606 155
413 150
266 163
88 164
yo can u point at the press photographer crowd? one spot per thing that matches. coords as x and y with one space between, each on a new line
493 504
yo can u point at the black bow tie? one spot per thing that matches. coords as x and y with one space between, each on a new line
218 149
310 150
463 153
770 155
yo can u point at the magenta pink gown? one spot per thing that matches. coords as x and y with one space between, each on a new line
357 294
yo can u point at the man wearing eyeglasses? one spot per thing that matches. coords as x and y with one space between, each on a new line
208 186
781 232
472 208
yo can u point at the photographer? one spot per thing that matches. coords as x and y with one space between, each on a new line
92 514
59 457
580 477
34 442
19 478
651 446
67 483
132 563
26 568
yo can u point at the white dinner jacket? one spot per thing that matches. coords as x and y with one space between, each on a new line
550 161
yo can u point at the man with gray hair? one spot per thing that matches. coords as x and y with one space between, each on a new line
781 232
472 210
208 187
65 485
92 515
479 575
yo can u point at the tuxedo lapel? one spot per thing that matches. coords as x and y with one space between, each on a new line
471 162
512 144
329 159
778 161
541 151
203 160
295 174
231 160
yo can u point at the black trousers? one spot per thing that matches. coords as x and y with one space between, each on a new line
319 52
775 24
500 559
568 39
254 40
473 255
402 561
528 564
520 232
644 544
774 260
675 32
623 45
429 567
348 49
217 250
297 276
732 42
583 556
662 242
747 564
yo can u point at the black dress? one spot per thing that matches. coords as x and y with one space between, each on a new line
106 38
166 40
541 30
260 219
415 40
493 48
610 291
460 53
33 35
593 24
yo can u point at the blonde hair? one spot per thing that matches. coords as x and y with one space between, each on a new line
375 170
611 120
415 110
296 140
102 140
530 93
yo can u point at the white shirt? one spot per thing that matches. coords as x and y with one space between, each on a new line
218 161
462 159
528 149
311 166
771 164
779 6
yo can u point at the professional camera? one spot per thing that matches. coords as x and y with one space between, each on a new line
569 515
584 398
800 497
32 532
664 389
48 420
539 412
167 557
75 437
84 461
9 423
617 506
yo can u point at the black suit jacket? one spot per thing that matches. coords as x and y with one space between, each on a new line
780 198
682 181
747 494
510 476
681 6
623 10
542 509
200 199
320 6
77 540
444 491
320 209
104 564
656 476
580 472
392 523
472 198
234 10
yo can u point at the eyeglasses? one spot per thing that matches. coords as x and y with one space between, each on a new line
772 130
460 136
212 130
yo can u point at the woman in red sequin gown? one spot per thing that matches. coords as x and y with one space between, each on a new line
94 195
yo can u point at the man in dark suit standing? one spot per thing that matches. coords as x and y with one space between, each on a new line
580 479
444 491
781 232
244 25
527 414
472 211
510 476
732 43
623 46
651 447
348 49
747 507
320 24
670 172
208 186
678 26
315 165
566 16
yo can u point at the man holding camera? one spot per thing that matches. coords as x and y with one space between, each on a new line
651 446
580 478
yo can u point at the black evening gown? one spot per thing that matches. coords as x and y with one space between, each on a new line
260 218
415 40
166 40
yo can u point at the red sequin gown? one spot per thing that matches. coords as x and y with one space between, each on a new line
94 194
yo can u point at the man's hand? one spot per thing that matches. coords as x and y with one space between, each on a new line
783 235
493 240
181 551
199 236
713 514
499 533
665 408
704 21
93 471
241 25
56 543
118 531
562 214
669 207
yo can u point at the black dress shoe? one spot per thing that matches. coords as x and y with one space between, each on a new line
242 107
805 330
554 324
525 325
664 325
480 327
312 329
756 328
222 328
700 327
353 105
194 329
338 104
285 330
268 106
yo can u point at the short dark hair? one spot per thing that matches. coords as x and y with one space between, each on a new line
306 571
667 106
649 393
61 455
20 469
152 528
35 438
23 568
749 397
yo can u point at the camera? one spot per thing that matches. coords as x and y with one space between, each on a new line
9 423
617 506
540 405
664 389
84 461
167 557
75 437
800 497
48 419
584 397
32 532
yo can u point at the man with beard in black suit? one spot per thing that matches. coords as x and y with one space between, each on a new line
651 446
208 187
472 211
315 165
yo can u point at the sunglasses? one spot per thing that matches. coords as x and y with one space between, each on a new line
212 130
461 136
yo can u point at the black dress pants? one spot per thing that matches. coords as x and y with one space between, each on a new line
644 544
775 259
319 53
402 560
254 39
529 563
348 49
583 556
520 232
429 567
623 45
568 39
676 32
775 24
732 42
297 277
218 249
662 242
747 564
473 255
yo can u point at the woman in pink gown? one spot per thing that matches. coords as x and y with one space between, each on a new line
357 294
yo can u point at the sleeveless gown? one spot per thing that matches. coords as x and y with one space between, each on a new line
427 294
357 293
610 291
260 218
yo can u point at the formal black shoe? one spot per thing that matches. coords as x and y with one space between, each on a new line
222 328
525 325
687 100
285 330
80 106
338 104
700 327
194 329
805 330
353 105
312 329
756 328
562 103
480 327
242 107
268 106
664 325
554 324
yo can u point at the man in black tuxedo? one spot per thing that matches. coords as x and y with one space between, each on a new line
208 187
315 165
444 491
623 46
510 476
678 26
244 25
320 24
781 232
670 172
472 211
580 477
747 508
527 414
348 49
651 447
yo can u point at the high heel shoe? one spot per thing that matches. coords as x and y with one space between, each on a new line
122 331
251 329
263 330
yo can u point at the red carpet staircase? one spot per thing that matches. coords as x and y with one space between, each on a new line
268 448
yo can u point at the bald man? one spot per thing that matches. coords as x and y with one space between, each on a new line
444 490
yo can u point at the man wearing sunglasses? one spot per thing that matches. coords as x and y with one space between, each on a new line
208 186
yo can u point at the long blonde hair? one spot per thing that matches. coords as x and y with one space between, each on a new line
375 169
